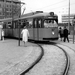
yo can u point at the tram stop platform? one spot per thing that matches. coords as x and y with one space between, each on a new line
11 53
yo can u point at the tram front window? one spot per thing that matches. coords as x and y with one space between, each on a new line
49 23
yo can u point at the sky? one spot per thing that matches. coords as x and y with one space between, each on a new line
59 7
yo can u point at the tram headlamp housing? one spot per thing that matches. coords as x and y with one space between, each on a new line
53 32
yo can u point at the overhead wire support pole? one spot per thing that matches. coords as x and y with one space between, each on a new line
19 21
69 16
12 17
4 8
73 33
19 17
73 28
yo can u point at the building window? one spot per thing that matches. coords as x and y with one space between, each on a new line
10 14
0 5
10 5
7 5
0 13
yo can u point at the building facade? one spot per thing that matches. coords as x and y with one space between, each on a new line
10 8
65 18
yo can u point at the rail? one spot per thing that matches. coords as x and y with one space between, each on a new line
35 62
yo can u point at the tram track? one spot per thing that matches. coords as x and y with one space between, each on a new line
67 66
71 52
41 57
67 61
20 68
68 47
35 62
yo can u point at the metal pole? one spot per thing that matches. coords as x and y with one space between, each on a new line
69 17
73 33
4 8
19 32
19 29
73 28
12 17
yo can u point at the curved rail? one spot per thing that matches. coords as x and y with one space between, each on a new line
67 57
35 62
67 61
67 66
68 47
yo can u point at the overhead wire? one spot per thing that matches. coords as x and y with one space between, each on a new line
53 4
46 7
63 7
50 7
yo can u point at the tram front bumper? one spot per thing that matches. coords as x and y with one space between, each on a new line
56 38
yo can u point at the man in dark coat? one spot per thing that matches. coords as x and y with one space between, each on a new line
66 34
61 33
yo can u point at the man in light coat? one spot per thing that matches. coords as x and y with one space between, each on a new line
25 35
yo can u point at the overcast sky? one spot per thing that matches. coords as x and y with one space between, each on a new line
60 7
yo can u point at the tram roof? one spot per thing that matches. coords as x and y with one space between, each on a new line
25 17
36 15
5 19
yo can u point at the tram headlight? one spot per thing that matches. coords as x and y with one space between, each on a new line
53 32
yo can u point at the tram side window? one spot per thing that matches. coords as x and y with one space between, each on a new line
23 24
39 24
28 23
34 24
9 25
15 24
4 25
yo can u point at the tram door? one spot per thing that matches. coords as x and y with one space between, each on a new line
35 29
37 22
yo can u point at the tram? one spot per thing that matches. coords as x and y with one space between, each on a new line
41 26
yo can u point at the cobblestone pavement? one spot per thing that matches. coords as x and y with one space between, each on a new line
11 54
70 49
52 63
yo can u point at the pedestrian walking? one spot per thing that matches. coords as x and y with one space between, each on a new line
2 35
25 35
66 33
61 33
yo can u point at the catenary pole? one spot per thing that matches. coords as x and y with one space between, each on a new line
73 28
69 17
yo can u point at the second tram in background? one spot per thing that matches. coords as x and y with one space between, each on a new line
41 26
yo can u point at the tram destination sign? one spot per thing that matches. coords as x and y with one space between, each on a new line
54 17
52 13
